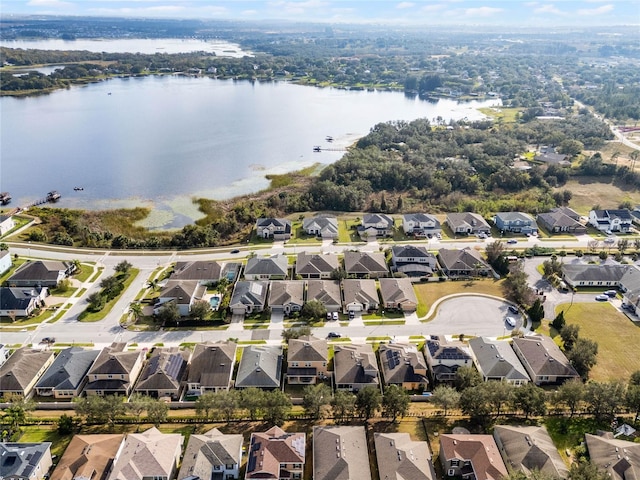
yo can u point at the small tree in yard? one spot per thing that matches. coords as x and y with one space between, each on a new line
200 310
530 399
123 267
315 399
395 402
569 335
536 311
559 322
570 393
169 312
445 397
277 407
296 332
227 402
67 424
467 377
516 286
157 412
343 406
368 401
583 356
314 310
205 405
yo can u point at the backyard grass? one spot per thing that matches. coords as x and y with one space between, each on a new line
429 293
345 233
46 433
14 266
617 337
567 433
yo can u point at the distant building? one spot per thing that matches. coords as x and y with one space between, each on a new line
619 220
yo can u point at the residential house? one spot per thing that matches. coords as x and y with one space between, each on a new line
526 449
413 260
67 375
471 457
40 274
22 370
421 225
260 367
619 458
359 295
496 360
7 223
212 456
276 228
619 220
375 225
398 294
515 222
562 220
399 457
249 297
276 455
310 265
467 262
549 155
184 293
5 261
148 455
467 223
4 353
340 452
286 296
211 367
25 461
403 365
544 361
88 457
267 268
365 265
592 275
322 226
327 292
445 357
21 301
355 367
114 371
307 359
630 287
163 376
205 272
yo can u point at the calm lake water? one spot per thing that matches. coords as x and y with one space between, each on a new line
133 45
161 141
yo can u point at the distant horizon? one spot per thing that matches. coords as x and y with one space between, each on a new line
481 13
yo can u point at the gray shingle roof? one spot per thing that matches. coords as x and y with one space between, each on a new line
402 252
21 368
530 448
68 370
315 264
576 272
466 259
250 293
307 349
18 298
363 263
286 292
260 366
340 453
496 359
355 365
544 357
515 216
326 292
183 291
377 218
328 225
212 364
198 270
397 291
208 450
276 265
401 458
19 460
360 291
165 370
422 218
467 220
620 458
399 364
39 270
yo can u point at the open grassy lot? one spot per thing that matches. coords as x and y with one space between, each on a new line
429 293
501 114
590 191
88 316
617 336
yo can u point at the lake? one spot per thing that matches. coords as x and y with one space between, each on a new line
161 141
133 45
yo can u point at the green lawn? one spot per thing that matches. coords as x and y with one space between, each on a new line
345 232
15 264
87 316
46 433
617 337
85 272
429 293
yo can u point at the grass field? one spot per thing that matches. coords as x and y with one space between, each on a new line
617 337
588 192
429 293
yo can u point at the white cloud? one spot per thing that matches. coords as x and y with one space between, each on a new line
434 8
549 8
48 3
248 13
589 12
482 11
403 5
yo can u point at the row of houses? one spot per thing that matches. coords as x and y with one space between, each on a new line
338 452
424 225
171 373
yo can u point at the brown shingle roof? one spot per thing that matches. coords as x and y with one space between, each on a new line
21 368
270 449
480 450
87 456
340 453
307 349
212 364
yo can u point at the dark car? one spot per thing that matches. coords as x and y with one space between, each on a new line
235 250
334 335
513 309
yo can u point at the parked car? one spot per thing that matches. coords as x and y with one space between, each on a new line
352 314
329 316
513 309
334 335
511 241
609 240
335 316
602 297
510 321
611 293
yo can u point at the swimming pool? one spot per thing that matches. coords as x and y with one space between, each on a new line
214 301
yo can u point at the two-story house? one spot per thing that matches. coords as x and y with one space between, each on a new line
211 367
276 455
413 260
307 359
355 367
163 376
276 228
515 222
212 455
445 357
619 220
403 365
184 293
421 225
67 375
25 461
321 226
114 371
471 457
340 452
376 225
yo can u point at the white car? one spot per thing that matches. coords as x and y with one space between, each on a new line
510 321
602 297
335 315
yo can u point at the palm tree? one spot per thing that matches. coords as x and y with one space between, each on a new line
153 284
135 310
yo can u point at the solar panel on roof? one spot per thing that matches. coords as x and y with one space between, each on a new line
174 365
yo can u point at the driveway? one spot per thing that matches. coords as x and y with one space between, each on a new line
473 315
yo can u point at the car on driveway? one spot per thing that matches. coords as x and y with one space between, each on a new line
335 316
510 321
602 297
334 335
611 293
352 314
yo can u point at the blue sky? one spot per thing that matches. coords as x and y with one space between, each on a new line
430 12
